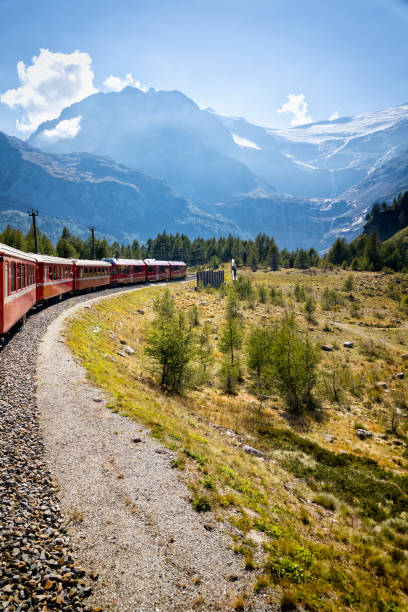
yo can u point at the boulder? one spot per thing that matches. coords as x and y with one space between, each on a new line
363 434
397 442
129 350
252 451
400 375
325 347
348 344
382 385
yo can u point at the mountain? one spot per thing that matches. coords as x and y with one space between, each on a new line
322 176
84 189
162 133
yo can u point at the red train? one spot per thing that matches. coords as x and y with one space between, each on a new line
27 279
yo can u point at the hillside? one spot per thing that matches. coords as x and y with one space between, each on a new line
314 494
82 189
388 220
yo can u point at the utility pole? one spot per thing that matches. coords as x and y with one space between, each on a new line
92 230
34 213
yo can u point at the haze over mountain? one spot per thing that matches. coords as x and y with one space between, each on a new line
304 185
80 189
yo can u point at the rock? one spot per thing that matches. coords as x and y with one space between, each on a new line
141 312
129 350
404 356
326 347
120 354
252 451
122 341
348 344
94 575
137 440
397 442
292 485
329 437
342 451
310 328
382 385
400 375
363 434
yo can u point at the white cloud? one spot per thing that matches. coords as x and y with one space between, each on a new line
68 128
114 83
296 105
334 116
244 142
52 82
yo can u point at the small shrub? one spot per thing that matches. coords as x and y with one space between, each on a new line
348 284
326 500
267 528
209 483
286 568
201 504
261 583
288 602
262 294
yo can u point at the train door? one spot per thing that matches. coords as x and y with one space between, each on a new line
157 272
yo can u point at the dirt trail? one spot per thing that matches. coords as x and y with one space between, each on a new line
131 517
361 334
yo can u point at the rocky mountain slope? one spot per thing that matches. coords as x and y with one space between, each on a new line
80 189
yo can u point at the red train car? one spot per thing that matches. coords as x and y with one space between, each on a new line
17 286
157 270
125 271
178 269
55 276
90 274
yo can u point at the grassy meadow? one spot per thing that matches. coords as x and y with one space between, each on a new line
320 515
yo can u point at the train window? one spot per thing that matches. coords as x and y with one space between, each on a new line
18 276
13 276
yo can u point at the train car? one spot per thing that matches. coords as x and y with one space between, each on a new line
55 276
17 286
90 274
157 270
178 269
126 271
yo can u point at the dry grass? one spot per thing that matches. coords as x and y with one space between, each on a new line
324 552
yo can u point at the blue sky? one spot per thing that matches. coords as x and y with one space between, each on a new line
239 57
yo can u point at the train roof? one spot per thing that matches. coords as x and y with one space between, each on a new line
156 262
177 263
52 259
7 250
125 262
91 263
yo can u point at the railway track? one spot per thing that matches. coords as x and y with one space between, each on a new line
37 565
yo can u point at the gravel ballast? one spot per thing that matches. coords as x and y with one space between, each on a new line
133 541
37 567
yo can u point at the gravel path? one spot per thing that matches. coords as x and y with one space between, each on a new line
37 567
130 521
